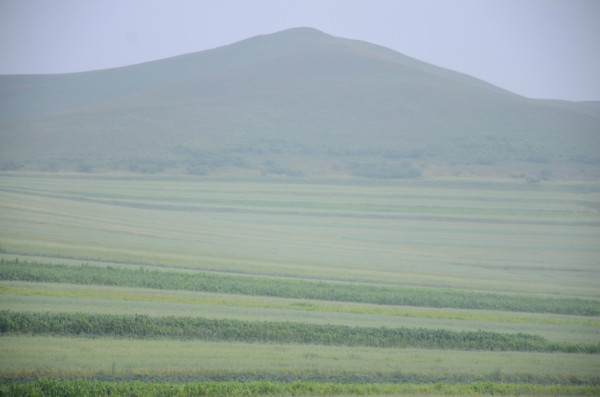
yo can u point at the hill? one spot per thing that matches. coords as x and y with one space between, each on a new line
297 102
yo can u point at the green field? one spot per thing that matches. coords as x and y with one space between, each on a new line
292 286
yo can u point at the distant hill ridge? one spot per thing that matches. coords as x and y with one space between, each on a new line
296 102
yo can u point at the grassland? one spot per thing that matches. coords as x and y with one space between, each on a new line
35 356
287 284
503 236
232 389
262 286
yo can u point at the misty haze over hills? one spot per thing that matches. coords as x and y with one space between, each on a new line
297 102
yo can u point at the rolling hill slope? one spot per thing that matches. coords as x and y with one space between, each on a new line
275 104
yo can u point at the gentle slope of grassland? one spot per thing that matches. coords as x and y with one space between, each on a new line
290 287
503 236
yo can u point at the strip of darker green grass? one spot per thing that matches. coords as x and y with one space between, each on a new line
300 289
67 388
143 326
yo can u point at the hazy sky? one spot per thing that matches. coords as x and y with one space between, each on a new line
536 48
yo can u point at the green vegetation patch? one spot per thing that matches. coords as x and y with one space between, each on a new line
300 289
79 387
143 326
26 357
230 300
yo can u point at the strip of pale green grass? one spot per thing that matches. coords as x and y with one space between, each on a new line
72 291
44 356
315 195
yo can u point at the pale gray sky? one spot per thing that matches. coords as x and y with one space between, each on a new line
536 48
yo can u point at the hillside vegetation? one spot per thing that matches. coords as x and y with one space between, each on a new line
297 102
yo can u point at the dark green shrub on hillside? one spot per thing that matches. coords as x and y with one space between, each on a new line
275 168
385 170
50 166
546 175
10 165
83 168
146 166
197 170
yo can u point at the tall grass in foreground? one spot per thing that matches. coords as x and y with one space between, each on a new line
301 289
67 388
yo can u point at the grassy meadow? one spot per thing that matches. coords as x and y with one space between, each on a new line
291 286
